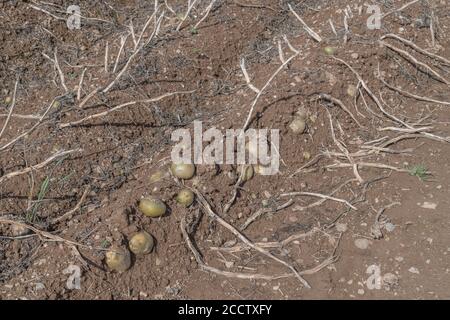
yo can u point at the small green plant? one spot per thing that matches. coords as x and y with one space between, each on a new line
42 191
105 244
420 171
194 31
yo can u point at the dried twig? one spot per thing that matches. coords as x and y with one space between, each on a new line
11 109
244 239
414 61
38 166
121 106
69 213
310 31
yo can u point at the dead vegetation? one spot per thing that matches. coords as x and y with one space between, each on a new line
370 109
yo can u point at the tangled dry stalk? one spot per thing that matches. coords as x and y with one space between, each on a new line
357 159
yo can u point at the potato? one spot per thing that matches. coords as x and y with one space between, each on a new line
248 172
141 243
152 207
8 100
298 125
118 259
185 197
329 50
183 171
301 113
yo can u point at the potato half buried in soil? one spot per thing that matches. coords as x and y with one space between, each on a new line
183 171
247 174
141 243
152 207
185 197
118 259
298 125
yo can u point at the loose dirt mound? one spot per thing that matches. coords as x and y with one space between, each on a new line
86 117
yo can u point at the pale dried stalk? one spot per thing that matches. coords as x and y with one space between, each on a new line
11 109
259 93
121 106
368 165
31 129
69 213
47 235
123 40
340 104
190 6
310 31
319 202
229 274
61 74
399 9
80 85
344 150
138 48
208 9
416 47
318 195
263 211
411 95
39 165
244 239
413 60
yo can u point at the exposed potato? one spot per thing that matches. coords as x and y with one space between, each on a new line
301 113
141 243
306 155
157 176
118 259
185 197
152 207
329 50
248 172
298 125
8 100
183 171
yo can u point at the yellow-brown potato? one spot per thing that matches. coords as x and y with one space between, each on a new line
298 125
118 259
183 171
185 197
141 243
248 172
152 207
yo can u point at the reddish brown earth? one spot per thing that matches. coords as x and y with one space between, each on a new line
121 150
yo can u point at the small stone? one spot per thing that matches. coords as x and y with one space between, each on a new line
414 270
39 286
360 291
389 227
341 227
362 243
399 259
390 280
429 205
354 55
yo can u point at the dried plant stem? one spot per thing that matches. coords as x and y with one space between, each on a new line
31 129
417 48
11 109
310 31
244 239
120 106
414 61
70 213
39 165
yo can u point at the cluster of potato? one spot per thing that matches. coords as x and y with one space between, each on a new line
119 258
